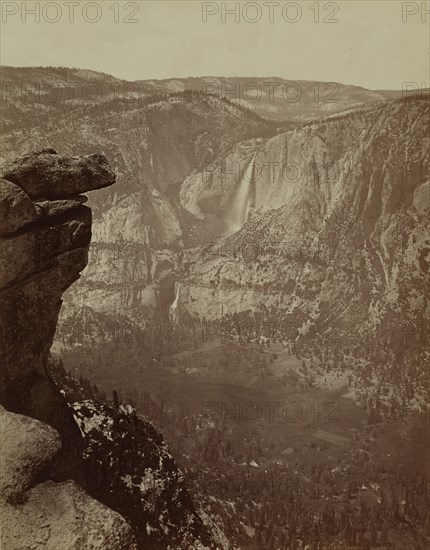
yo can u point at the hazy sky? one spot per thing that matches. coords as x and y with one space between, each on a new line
374 43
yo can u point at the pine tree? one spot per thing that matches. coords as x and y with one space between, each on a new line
115 399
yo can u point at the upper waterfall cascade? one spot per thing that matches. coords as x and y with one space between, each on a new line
241 201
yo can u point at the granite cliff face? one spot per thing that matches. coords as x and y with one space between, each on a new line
337 224
336 228
44 245
339 194
60 443
137 232
146 227
46 232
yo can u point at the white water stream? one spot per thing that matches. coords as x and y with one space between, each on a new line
241 202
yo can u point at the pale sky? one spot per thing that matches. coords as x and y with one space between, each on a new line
377 44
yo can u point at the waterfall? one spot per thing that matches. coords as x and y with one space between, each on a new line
174 306
241 202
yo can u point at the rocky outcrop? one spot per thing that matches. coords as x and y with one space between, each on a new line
130 468
46 174
16 208
48 515
62 515
28 446
109 453
44 247
137 238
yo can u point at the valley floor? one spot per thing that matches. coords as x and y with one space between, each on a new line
237 415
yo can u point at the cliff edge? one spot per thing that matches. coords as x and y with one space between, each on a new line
76 472
45 232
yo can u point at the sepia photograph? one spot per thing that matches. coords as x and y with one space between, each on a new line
215 275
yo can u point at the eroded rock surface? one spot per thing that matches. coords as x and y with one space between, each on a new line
16 208
27 447
49 175
44 247
48 515
77 450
